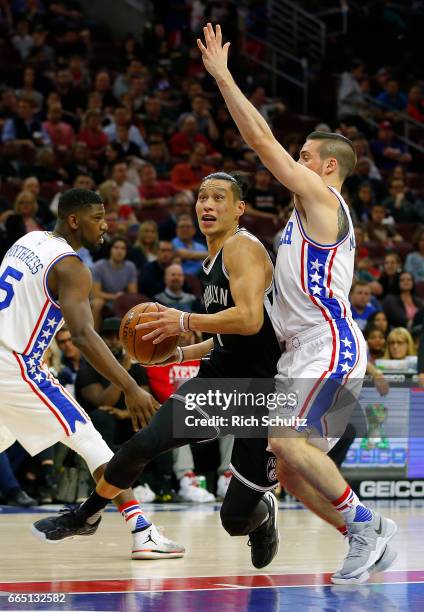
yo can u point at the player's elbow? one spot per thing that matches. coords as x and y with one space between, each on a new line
260 140
252 324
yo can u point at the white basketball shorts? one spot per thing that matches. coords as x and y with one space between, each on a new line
324 368
38 411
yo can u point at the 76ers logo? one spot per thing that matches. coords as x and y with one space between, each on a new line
271 469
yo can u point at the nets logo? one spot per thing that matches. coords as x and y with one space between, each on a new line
271 469
391 489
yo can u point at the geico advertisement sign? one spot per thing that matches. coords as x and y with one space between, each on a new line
391 488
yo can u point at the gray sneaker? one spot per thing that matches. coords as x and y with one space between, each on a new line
384 562
367 542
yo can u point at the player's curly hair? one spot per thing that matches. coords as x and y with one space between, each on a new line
75 199
239 182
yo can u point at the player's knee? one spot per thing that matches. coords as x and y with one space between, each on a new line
233 523
280 448
284 472
288 451
132 457
142 447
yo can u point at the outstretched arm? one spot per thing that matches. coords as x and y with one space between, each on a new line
253 127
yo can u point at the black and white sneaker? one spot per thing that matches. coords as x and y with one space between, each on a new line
264 541
67 524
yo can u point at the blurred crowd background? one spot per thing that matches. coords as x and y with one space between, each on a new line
138 119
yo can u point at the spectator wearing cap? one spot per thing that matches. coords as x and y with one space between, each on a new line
102 399
192 253
388 150
112 277
173 295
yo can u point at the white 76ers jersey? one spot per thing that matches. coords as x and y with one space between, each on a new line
311 281
29 316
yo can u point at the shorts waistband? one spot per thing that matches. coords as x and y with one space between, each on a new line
295 342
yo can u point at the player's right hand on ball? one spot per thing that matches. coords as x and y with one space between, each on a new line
141 405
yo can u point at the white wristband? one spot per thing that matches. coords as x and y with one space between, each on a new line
180 354
182 327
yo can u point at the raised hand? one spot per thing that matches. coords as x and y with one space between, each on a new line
214 55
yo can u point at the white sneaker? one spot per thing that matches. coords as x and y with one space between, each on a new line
190 490
151 544
223 482
367 543
144 494
384 562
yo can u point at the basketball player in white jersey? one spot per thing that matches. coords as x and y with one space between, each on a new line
311 314
42 283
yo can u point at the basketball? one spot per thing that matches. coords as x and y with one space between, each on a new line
144 351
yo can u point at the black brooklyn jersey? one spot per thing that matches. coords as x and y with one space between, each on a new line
254 355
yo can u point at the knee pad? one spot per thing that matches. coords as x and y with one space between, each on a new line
233 523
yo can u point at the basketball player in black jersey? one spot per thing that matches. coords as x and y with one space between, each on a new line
239 276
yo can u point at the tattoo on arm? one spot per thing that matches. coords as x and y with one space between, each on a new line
342 223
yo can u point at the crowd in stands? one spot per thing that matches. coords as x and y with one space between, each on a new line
140 121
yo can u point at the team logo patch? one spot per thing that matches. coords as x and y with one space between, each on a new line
271 469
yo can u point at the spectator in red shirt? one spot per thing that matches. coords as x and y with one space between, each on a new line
415 108
188 175
61 134
92 133
152 191
182 142
164 381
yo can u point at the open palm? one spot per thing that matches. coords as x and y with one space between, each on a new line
214 55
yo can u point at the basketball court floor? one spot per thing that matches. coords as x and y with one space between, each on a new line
97 574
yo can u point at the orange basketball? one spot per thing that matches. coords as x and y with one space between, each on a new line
144 351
